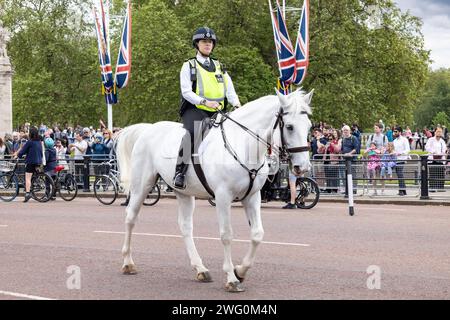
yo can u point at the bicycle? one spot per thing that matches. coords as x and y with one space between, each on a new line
107 187
42 185
277 189
65 184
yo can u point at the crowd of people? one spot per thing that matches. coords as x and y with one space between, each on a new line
44 146
417 139
71 142
386 150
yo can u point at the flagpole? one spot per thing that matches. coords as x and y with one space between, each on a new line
108 43
110 117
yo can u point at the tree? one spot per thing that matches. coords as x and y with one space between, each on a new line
362 74
55 62
441 119
160 46
162 43
359 73
436 98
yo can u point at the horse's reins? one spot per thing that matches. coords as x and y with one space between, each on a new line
284 152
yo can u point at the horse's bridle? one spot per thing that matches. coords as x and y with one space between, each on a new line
284 152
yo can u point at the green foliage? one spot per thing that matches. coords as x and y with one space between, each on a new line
362 75
435 100
441 119
55 64
252 78
160 47
359 74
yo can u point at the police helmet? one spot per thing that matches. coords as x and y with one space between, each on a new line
203 33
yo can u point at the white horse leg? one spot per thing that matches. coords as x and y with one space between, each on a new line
252 207
140 187
223 208
186 205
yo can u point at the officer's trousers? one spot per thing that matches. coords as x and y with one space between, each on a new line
192 119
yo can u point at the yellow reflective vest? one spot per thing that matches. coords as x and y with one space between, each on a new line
211 86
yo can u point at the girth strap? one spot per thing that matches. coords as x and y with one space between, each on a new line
252 175
201 175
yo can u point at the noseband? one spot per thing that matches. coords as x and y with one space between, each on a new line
285 153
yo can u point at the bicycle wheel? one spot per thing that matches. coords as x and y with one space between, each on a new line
153 196
9 186
308 193
67 188
105 190
42 187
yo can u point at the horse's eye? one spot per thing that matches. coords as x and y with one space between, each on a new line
290 127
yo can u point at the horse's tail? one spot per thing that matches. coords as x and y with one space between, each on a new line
125 144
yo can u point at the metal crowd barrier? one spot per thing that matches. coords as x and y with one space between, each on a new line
421 176
84 169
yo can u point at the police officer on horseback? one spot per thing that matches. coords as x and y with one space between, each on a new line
206 87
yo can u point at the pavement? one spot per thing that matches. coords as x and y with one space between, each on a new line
72 250
390 196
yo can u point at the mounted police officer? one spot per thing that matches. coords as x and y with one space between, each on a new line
206 88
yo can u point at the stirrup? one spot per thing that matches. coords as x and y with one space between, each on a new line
184 182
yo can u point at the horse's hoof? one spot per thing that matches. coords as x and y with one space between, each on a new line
204 276
237 276
129 269
234 287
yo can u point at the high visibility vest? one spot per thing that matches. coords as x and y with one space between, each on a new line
211 86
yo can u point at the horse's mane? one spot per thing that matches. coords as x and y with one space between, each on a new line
268 101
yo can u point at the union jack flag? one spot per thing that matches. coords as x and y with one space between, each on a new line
123 67
302 45
102 30
283 45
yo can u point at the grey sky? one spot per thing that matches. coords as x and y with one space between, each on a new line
436 27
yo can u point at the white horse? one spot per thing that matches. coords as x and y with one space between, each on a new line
147 150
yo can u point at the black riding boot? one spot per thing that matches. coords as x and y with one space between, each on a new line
182 162
179 179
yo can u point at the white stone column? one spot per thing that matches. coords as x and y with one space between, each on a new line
5 87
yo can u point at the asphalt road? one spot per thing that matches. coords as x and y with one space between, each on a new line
321 253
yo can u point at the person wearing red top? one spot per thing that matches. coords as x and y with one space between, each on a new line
332 149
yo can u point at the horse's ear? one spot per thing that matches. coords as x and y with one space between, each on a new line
308 97
284 100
